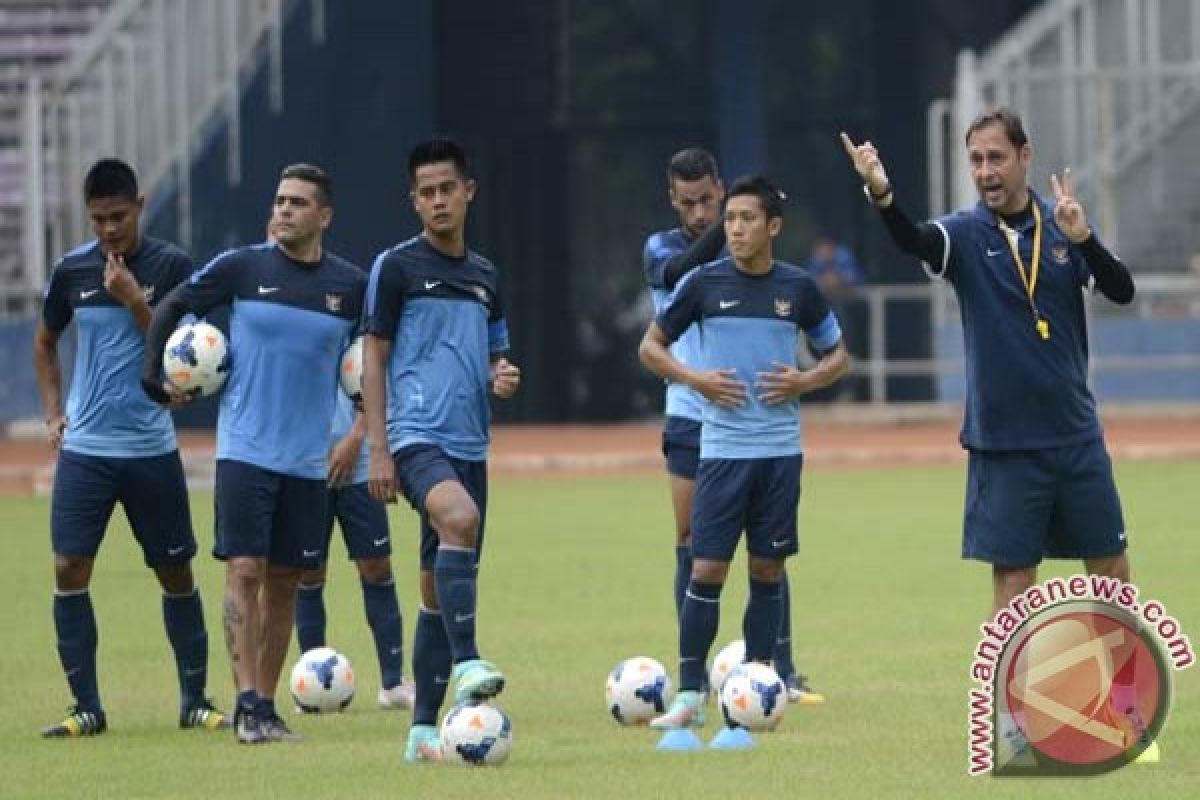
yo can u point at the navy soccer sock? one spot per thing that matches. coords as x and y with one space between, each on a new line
75 625
683 574
760 625
783 641
697 630
183 617
310 616
431 666
387 628
248 701
454 575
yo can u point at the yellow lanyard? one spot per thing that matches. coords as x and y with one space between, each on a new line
1029 281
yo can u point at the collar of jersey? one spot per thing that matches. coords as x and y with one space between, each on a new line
985 215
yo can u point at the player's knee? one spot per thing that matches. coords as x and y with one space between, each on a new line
766 570
312 578
175 578
245 573
458 525
1112 567
707 571
374 570
1008 583
72 573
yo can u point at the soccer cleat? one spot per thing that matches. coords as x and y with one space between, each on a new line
77 723
687 711
205 716
276 730
423 744
1151 755
248 727
400 697
799 692
477 680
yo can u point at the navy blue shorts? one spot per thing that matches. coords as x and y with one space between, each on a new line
265 514
151 490
1023 506
757 495
681 446
363 521
419 468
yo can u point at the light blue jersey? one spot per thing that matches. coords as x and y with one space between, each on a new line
108 414
444 319
750 323
289 324
682 401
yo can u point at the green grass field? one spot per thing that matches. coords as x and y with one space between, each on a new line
577 576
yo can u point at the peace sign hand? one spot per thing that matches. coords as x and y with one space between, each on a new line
868 165
1068 211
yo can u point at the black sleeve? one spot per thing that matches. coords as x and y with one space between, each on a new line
210 287
924 241
166 317
1112 277
704 249
386 293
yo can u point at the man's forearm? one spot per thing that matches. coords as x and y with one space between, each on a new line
1112 277
49 378
704 249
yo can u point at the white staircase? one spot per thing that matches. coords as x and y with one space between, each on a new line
1110 88
142 80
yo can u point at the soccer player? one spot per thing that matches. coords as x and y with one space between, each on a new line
696 192
364 524
752 311
1039 478
293 308
435 344
115 446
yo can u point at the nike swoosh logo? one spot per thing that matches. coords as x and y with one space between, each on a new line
440 679
779 543
432 284
380 542
267 289
191 672
729 304
394 651
86 295
994 253
463 617
310 553
174 551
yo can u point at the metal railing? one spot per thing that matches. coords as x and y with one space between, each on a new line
150 82
1110 88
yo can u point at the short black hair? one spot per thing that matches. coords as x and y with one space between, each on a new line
692 164
110 177
1006 118
314 175
767 193
435 151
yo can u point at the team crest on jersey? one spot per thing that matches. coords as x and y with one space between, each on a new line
333 302
783 306
1059 253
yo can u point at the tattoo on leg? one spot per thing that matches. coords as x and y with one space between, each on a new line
233 618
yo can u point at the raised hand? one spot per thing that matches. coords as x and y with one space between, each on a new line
119 281
1068 211
867 164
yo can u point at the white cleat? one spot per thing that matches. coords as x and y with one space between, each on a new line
398 698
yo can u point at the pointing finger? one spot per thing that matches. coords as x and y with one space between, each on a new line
848 143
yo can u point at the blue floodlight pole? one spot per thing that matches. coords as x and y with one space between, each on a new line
739 49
